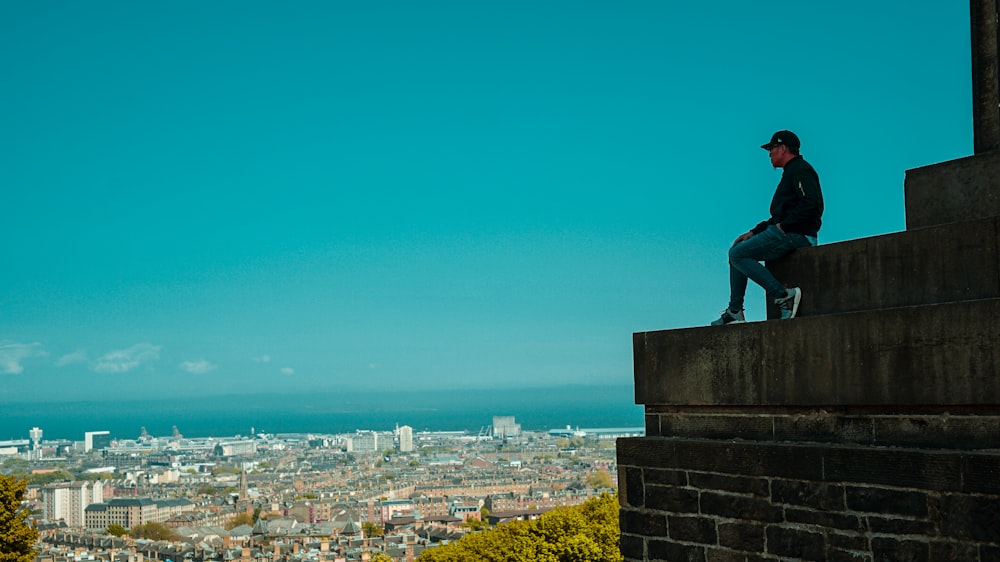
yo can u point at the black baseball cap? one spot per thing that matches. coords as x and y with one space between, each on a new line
786 138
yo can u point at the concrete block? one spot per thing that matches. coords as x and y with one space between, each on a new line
954 191
740 535
926 355
669 550
743 458
895 549
693 529
795 543
945 263
633 547
815 495
880 500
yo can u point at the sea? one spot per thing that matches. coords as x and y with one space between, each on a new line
535 409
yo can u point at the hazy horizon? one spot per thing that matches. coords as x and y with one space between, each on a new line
333 412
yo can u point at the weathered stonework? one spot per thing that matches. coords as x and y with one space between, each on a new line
866 429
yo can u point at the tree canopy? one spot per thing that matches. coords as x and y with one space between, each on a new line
584 533
600 479
17 538
153 531
240 519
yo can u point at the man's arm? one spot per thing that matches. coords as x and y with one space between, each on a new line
806 186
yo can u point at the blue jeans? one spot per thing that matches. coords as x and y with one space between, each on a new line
745 258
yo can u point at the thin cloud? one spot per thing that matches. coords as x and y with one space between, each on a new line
13 353
262 359
124 360
287 371
199 367
72 358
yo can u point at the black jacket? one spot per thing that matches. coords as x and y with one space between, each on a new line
798 201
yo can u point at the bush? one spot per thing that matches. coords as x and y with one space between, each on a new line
584 533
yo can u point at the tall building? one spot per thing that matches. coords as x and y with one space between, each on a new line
365 442
504 426
69 501
405 439
96 440
36 437
36 442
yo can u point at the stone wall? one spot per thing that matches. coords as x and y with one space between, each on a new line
866 429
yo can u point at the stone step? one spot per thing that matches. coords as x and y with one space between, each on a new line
918 355
953 191
938 264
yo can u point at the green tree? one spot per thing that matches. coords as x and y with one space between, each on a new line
116 530
474 524
153 531
371 529
17 538
380 557
44 478
240 519
600 479
15 464
206 490
583 533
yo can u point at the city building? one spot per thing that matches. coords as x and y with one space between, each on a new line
405 439
504 426
132 512
465 510
236 448
36 442
68 501
363 442
96 440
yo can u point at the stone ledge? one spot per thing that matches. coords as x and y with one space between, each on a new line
946 263
954 191
966 428
946 354
942 470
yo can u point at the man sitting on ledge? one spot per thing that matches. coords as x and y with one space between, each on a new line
796 211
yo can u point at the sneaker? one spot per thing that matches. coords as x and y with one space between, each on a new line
789 305
730 318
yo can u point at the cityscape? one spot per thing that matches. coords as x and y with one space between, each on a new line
299 496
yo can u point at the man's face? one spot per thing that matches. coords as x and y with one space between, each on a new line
779 155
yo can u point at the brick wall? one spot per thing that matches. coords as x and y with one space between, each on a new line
730 499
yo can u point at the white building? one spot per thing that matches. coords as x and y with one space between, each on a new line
364 442
236 448
69 501
504 426
96 440
405 439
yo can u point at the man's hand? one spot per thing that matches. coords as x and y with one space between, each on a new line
742 237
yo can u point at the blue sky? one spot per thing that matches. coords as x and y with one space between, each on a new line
226 197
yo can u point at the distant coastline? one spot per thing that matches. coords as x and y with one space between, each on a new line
327 412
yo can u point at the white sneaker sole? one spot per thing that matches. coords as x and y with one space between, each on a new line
795 303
